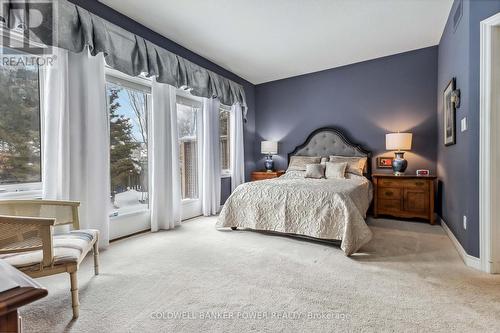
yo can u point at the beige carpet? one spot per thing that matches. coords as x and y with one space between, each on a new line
409 279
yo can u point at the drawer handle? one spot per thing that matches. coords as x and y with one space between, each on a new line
389 193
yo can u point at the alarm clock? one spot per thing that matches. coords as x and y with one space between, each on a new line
423 172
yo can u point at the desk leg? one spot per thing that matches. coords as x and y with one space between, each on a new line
10 322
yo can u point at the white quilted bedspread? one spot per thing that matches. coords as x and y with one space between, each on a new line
333 209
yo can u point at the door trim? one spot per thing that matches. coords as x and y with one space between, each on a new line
489 154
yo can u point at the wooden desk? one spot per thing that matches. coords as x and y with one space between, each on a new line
27 291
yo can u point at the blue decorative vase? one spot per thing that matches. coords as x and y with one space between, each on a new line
269 163
399 164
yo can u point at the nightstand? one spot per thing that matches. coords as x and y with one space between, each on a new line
260 175
405 196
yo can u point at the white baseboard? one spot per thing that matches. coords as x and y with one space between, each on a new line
469 260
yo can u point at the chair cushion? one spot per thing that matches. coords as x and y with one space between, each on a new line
71 247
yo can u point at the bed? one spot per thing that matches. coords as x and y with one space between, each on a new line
326 209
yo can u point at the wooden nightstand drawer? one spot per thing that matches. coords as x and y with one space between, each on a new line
383 182
415 183
389 205
404 196
389 193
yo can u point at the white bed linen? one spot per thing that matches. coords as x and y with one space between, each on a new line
333 209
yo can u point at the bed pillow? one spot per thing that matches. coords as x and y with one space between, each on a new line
335 170
298 163
324 160
315 171
355 165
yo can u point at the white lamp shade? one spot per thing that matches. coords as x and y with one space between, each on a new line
269 147
398 141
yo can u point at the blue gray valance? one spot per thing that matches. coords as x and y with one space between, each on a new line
77 28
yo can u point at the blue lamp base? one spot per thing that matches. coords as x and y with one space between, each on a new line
269 163
399 164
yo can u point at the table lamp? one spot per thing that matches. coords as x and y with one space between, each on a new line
269 148
398 142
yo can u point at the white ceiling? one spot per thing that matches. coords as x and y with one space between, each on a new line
266 40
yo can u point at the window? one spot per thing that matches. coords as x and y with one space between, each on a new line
188 113
128 124
20 138
224 139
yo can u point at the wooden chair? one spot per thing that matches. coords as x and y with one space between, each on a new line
27 240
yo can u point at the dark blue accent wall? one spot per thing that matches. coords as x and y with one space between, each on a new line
367 100
458 165
127 23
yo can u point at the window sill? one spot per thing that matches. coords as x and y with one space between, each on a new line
117 215
225 175
189 201
28 194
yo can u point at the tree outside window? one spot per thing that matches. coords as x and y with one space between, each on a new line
128 148
20 141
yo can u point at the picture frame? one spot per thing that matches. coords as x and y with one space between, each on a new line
449 114
384 162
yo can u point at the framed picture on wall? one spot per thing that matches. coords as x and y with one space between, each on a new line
384 162
449 114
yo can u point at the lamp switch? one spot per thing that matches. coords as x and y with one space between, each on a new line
463 124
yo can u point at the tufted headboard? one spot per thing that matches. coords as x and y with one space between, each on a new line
328 141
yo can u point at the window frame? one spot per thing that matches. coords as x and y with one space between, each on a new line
26 190
132 82
138 83
194 102
226 173
190 206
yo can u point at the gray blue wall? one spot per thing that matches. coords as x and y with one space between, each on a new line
225 189
367 100
127 23
458 165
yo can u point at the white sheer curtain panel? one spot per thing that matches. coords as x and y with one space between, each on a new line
210 162
76 137
165 190
237 147
55 127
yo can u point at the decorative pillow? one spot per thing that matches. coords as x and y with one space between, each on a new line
315 171
335 170
355 165
298 163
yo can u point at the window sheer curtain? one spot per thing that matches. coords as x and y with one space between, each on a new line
165 189
237 148
210 162
76 137
76 145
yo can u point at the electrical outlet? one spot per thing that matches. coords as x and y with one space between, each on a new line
463 124
465 222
